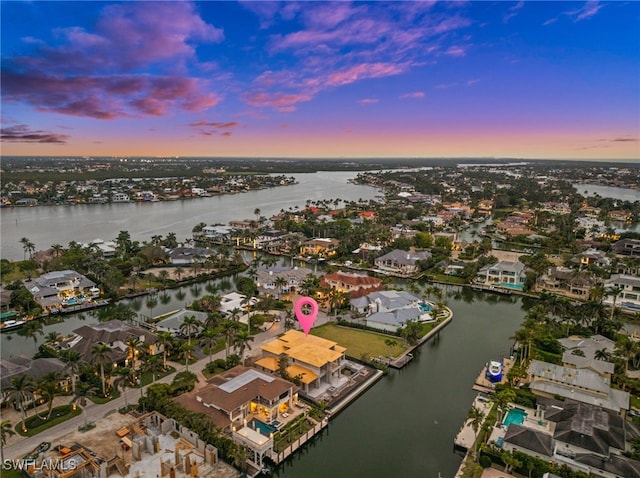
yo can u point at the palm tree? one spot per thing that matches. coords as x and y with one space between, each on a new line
189 326
229 330
186 353
602 354
241 341
49 387
210 340
6 430
20 392
151 303
57 249
165 339
280 283
84 391
124 379
73 360
101 356
28 247
152 364
475 417
240 454
163 275
133 349
615 292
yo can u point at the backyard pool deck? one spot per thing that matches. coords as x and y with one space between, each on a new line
466 437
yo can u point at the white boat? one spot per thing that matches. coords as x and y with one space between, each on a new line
11 325
494 371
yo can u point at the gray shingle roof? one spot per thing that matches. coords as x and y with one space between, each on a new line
530 439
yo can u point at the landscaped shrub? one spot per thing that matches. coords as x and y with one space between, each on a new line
183 382
485 461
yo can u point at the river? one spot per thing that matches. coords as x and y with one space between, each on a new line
48 225
622 194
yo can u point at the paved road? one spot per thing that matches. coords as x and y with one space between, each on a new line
95 412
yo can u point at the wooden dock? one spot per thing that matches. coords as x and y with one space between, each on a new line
483 384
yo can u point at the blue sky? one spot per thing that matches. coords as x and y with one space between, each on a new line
322 79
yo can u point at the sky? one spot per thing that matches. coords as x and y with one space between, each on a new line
538 79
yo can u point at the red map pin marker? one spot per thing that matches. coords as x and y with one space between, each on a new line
306 320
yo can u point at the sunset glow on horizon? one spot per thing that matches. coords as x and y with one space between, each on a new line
547 80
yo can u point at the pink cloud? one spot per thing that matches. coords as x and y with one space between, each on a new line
415 94
23 134
94 74
455 51
368 101
589 9
284 102
364 71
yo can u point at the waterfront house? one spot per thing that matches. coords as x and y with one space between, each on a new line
321 247
629 286
507 274
120 197
584 385
173 322
402 263
627 247
35 368
594 256
527 440
389 310
181 256
281 280
244 401
356 285
312 361
214 233
234 300
115 335
581 352
58 289
567 282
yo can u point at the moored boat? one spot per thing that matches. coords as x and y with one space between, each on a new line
494 371
11 325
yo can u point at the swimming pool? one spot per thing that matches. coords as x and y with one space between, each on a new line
262 427
515 415
425 307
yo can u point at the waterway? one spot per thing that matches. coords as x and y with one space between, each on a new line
48 225
405 425
622 194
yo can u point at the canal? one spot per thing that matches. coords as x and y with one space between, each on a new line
404 426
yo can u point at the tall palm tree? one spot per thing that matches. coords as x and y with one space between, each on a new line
152 364
615 293
6 430
101 356
124 379
84 391
241 341
229 330
48 388
73 361
133 350
280 283
190 325
28 247
20 392
186 353
475 417
57 249
165 339
210 340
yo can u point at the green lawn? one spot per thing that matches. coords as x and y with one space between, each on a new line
360 342
35 424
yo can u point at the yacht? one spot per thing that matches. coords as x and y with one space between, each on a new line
494 371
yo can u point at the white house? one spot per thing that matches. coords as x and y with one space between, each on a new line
506 274
391 309
629 286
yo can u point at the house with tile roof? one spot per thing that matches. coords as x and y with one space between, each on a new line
237 398
356 285
312 361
